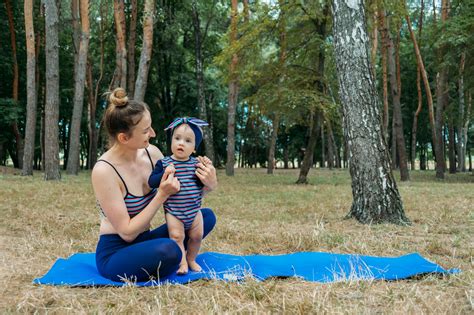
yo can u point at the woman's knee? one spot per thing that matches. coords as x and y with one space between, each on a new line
168 250
209 220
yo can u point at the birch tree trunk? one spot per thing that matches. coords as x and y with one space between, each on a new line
375 194
51 136
30 128
383 52
79 83
145 57
233 95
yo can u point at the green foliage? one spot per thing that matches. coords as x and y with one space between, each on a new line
11 112
293 89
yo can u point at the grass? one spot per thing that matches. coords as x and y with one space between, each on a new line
257 213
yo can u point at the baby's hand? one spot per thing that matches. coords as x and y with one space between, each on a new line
170 169
204 160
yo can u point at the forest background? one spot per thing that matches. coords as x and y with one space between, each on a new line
261 72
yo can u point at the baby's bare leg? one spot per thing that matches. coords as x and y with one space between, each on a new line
194 242
176 233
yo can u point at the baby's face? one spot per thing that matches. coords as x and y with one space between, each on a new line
183 142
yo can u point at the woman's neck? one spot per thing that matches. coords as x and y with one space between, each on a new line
124 154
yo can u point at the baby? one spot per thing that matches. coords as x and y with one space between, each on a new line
182 210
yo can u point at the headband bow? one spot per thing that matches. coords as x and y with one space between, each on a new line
187 120
194 123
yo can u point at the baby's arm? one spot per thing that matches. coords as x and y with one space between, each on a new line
155 177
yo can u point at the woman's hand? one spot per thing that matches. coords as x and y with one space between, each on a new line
169 184
206 172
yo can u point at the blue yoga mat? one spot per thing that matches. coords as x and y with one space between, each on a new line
80 269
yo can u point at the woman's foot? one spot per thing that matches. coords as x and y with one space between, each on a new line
194 266
183 269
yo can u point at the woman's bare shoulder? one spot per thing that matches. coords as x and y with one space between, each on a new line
155 153
101 168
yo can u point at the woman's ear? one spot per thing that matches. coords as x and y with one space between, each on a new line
122 137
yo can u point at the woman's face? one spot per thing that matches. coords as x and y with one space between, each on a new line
183 142
142 132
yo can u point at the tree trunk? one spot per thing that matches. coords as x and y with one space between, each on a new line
395 89
460 121
120 76
383 52
331 146
314 127
322 163
429 97
374 41
145 57
285 154
470 160
452 147
42 124
233 95
393 150
414 129
422 160
51 137
94 92
375 193
199 68
335 150
441 101
466 125
16 130
281 80
76 27
79 82
272 144
132 35
30 127
91 119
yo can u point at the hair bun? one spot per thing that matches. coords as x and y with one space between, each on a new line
118 97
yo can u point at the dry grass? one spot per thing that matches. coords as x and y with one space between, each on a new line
42 221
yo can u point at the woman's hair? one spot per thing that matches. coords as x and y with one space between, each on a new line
122 114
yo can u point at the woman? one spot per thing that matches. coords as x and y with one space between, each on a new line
127 248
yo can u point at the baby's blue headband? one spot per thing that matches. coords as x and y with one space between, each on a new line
193 123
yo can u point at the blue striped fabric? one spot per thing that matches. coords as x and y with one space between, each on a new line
187 202
135 204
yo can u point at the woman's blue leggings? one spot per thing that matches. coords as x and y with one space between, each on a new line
151 255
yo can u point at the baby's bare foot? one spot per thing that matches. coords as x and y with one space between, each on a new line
194 266
183 269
